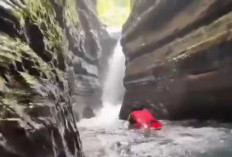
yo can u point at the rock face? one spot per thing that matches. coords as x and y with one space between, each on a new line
90 62
178 59
49 53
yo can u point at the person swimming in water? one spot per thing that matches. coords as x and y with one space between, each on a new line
141 117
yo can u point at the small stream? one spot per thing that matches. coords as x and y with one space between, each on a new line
107 136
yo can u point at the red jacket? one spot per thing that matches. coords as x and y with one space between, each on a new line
145 119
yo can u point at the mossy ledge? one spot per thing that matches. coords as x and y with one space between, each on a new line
46 53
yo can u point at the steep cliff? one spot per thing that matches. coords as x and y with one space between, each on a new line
49 53
91 62
178 59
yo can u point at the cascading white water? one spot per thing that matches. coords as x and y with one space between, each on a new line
113 90
107 117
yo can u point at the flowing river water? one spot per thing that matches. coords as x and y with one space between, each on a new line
107 136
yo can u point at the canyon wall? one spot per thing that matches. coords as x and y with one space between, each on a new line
91 61
178 59
49 62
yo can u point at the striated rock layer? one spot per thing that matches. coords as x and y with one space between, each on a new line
178 58
49 53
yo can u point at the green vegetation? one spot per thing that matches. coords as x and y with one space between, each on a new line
113 12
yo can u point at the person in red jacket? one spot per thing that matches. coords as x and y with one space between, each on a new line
143 118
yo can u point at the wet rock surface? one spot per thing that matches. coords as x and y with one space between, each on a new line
49 53
178 59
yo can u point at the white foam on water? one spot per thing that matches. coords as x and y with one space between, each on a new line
106 117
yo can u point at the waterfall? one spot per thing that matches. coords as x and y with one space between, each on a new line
113 90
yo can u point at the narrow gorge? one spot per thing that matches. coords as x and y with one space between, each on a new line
70 77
